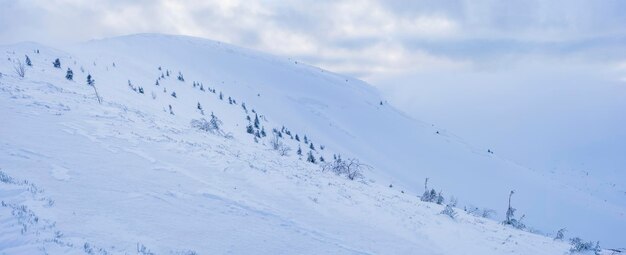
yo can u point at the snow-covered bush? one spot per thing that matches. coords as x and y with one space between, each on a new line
351 167
560 234
484 213
5 178
278 145
453 201
487 213
580 246
143 250
449 210
213 125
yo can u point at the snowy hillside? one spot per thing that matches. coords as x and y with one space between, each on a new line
135 174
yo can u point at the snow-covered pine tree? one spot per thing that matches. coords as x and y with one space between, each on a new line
311 158
69 74
426 196
440 198
91 82
510 211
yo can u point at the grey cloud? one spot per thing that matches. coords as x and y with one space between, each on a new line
454 30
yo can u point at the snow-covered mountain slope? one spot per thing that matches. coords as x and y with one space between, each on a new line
133 172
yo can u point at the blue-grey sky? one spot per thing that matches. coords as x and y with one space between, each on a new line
540 82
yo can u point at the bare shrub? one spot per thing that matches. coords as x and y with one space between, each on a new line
351 167
19 68
279 145
214 125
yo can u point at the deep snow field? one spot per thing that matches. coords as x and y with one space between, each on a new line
131 176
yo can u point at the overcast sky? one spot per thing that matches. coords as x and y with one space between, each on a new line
534 80
361 38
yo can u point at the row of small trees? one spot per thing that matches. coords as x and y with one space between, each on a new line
351 168
578 245
20 70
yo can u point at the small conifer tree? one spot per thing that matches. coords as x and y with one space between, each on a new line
69 74
311 158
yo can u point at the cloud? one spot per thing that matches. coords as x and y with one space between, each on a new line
360 37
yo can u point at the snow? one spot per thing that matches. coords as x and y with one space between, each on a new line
126 176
